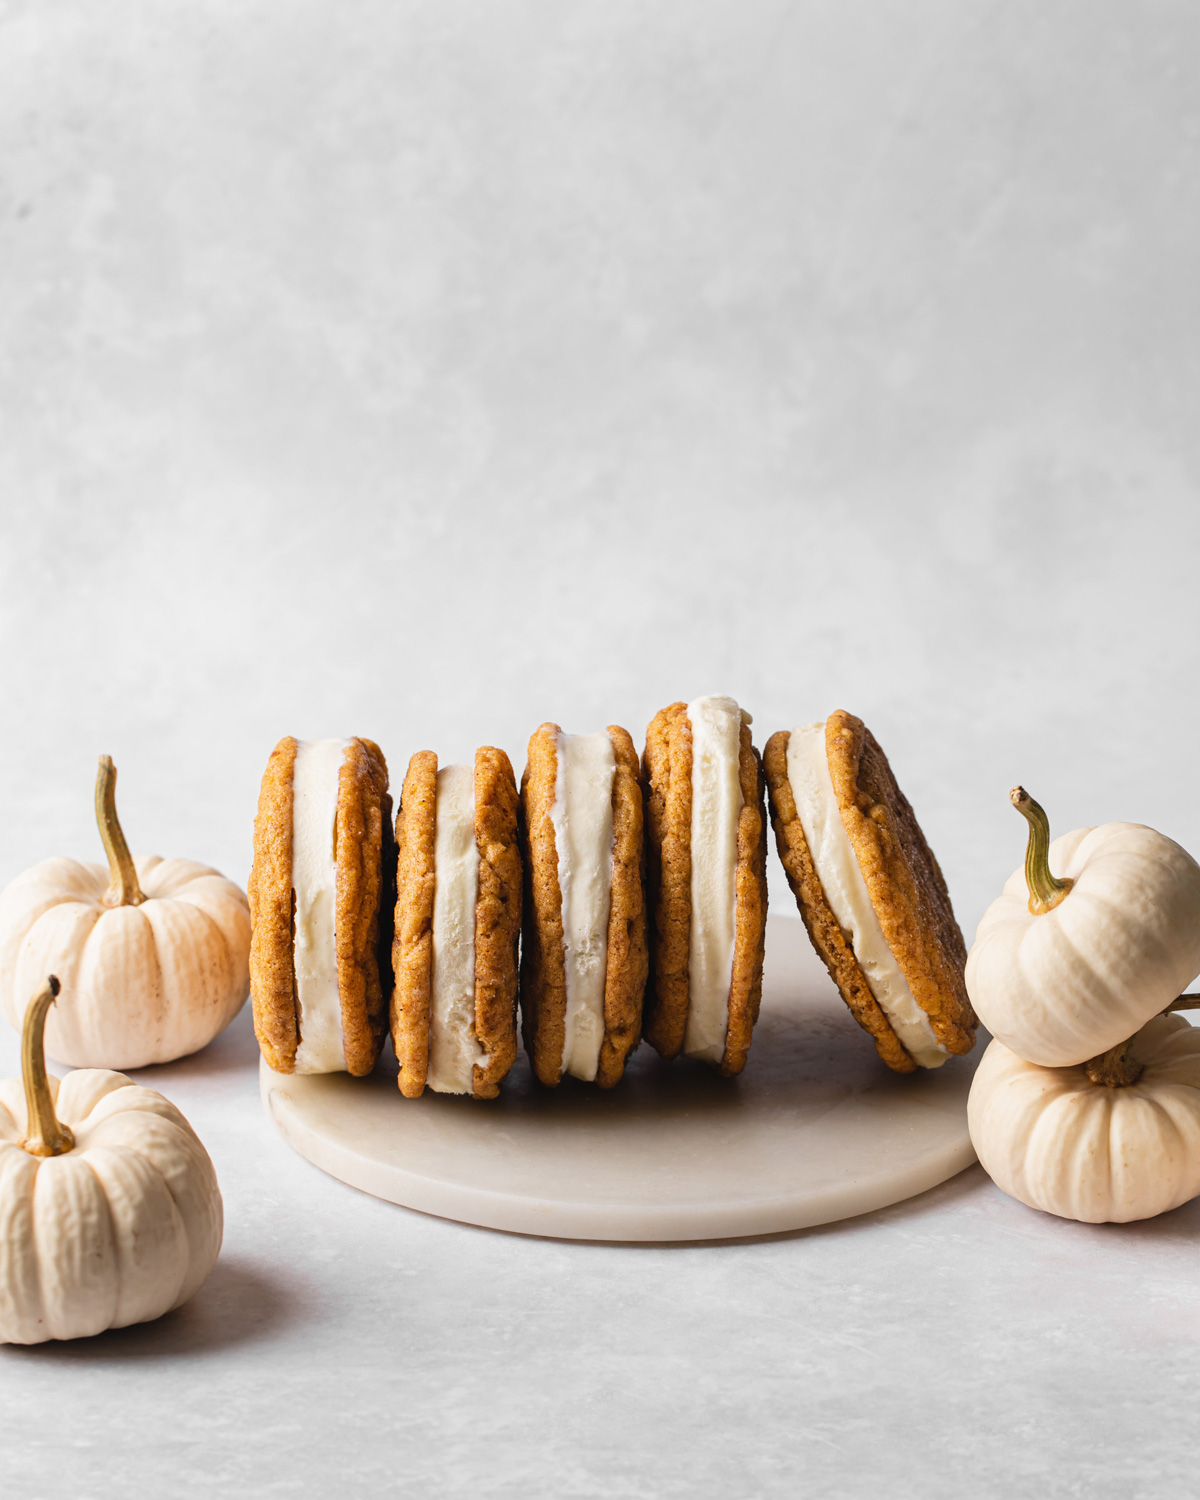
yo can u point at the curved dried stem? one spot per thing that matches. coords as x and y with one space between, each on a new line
46 1136
1045 889
123 888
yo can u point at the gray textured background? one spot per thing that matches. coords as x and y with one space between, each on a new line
427 370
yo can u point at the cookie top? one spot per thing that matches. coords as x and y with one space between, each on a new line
913 962
667 774
610 884
823 928
903 879
360 869
496 921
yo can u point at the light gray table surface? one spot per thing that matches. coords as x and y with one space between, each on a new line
958 1344
428 370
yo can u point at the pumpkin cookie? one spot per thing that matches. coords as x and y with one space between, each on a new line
870 891
583 956
320 906
706 856
458 921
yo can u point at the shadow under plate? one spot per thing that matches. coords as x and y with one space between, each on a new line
816 1129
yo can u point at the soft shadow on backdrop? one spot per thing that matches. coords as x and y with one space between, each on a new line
429 371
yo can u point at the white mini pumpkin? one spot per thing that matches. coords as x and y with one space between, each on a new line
153 954
1058 1141
110 1212
1099 932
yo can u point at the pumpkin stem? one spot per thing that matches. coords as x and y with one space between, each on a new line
1185 1002
123 888
1045 890
1116 1069
46 1137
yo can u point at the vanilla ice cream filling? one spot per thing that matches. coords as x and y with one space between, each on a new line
583 838
314 886
454 1049
716 806
846 891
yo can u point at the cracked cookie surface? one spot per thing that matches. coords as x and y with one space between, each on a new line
903 878
823 929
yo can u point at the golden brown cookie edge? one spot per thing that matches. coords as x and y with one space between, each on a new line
822 926
543 979
750 909
363 809
497 918
412 943
628 959
903 878
272 973
667 811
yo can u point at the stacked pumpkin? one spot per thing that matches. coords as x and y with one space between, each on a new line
110 1212
1087 1103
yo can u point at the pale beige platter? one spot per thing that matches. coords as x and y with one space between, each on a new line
815 1130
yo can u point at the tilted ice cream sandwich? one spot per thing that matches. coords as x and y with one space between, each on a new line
319 889
870 891
583 956
458 921
706 849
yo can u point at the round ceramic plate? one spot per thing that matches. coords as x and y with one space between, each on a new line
815 1129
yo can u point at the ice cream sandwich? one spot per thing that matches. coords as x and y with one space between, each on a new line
457 925
706 881
583 954
320 906
870 891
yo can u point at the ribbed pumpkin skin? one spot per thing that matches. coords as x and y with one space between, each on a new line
121 1229
1067 985
140 984
1056 1141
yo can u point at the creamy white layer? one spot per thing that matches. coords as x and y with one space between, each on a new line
583 838
453 1047
716 805
846 891
314 881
